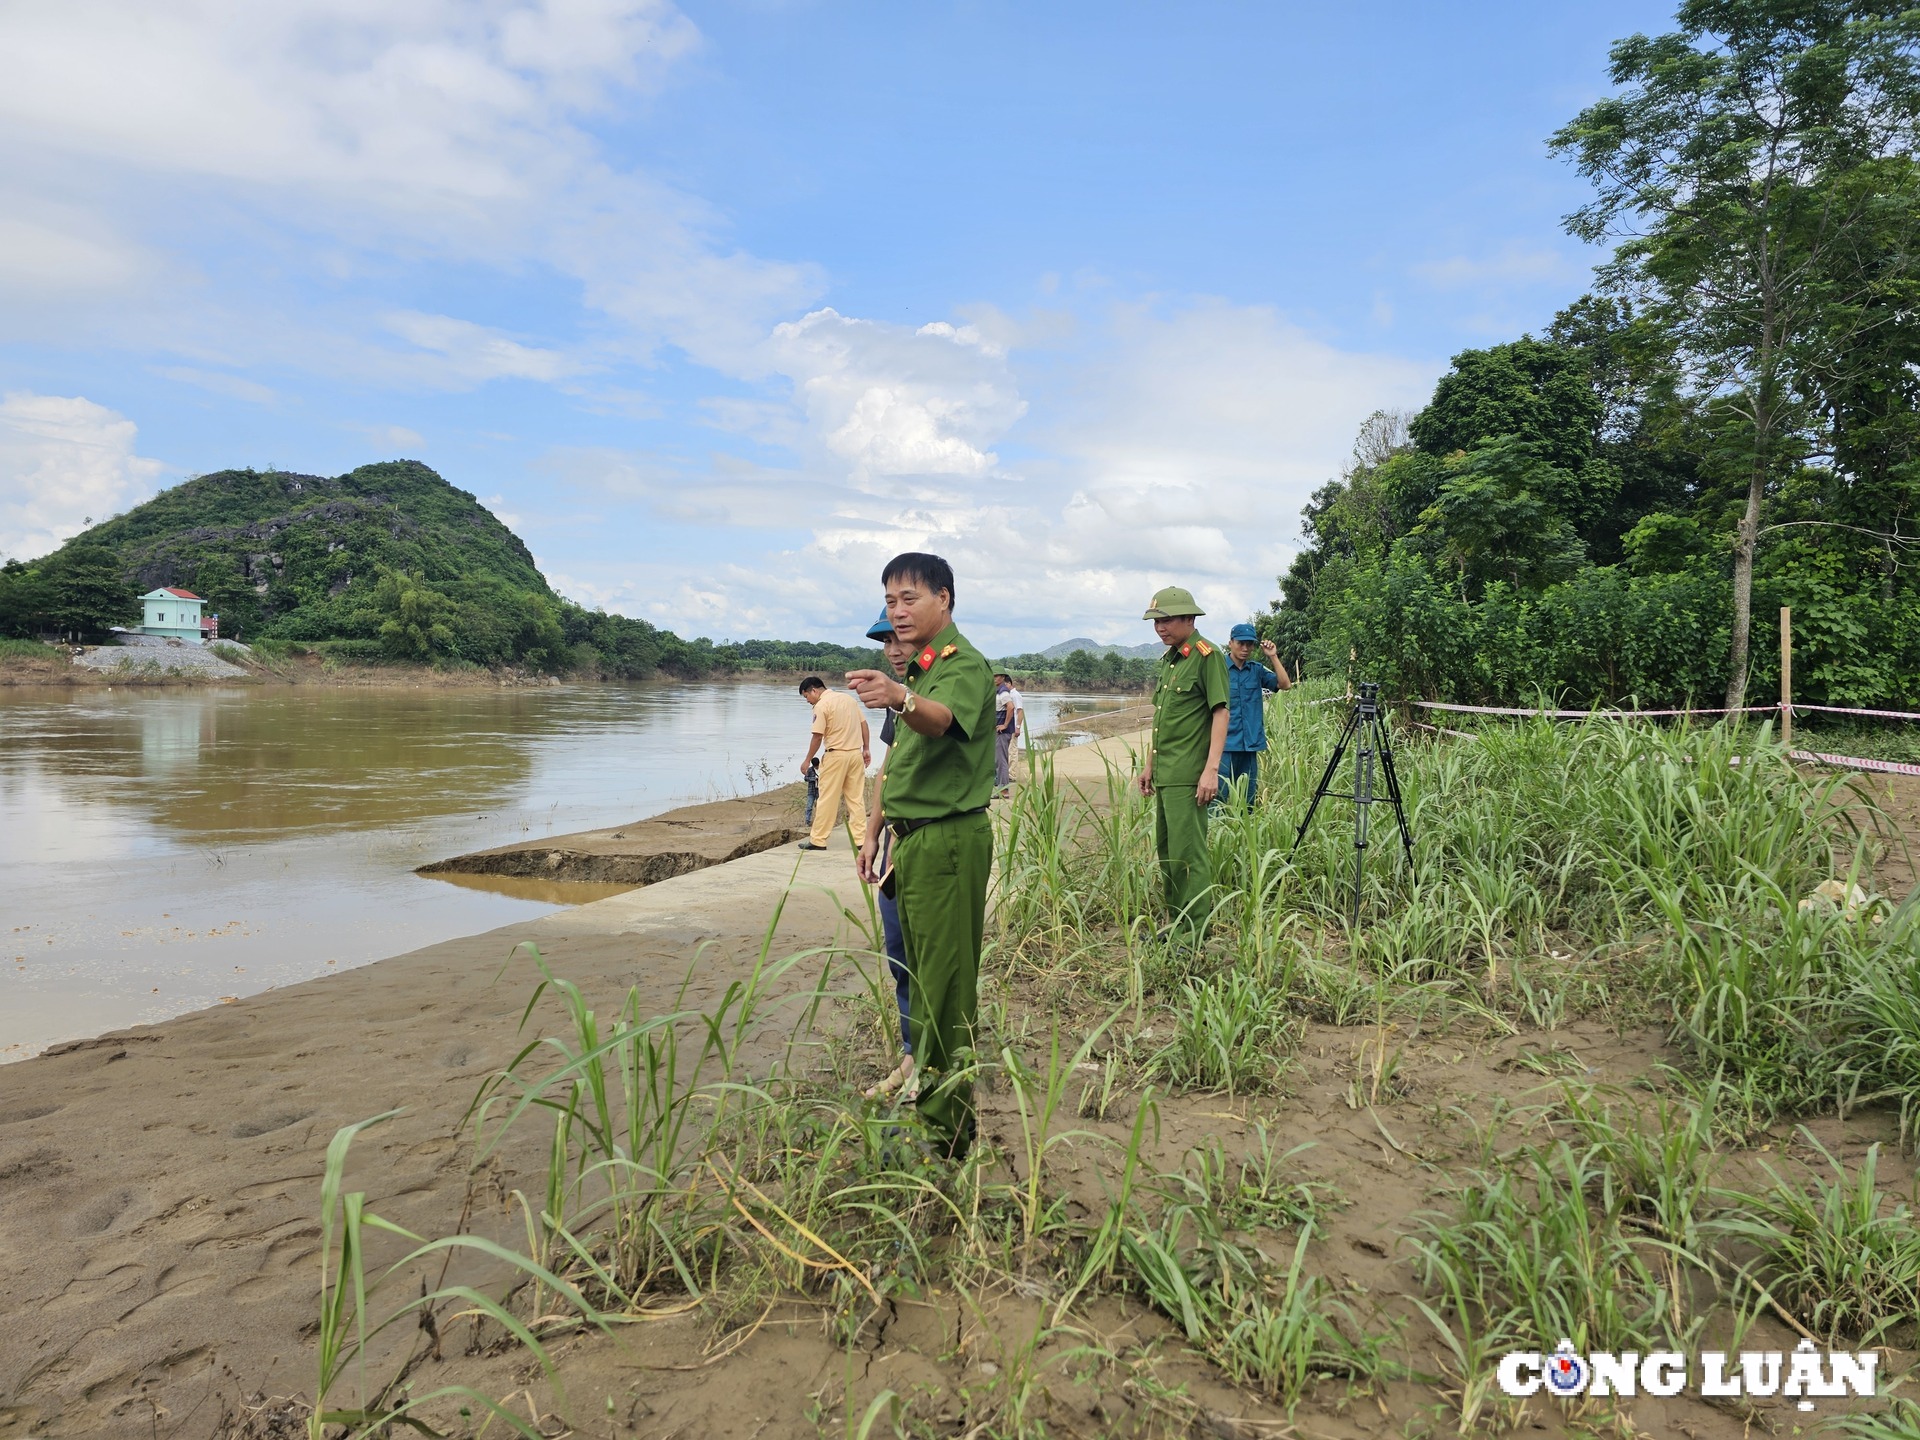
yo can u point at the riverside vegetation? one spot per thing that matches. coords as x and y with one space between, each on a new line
1647 880
1729 423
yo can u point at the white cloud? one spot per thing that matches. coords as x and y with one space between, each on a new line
63 460
892 401
464 351
56 257
235 387
394 439
1180 450
1514 264
437 131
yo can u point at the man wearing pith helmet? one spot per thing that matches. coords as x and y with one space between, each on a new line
1182 773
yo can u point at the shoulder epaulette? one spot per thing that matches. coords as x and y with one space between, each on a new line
1205 649
950 650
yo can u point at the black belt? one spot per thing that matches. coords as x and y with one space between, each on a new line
903 828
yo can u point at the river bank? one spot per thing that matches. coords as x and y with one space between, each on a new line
21 664
162 1241
158 1248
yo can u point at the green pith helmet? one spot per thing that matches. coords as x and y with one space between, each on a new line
1170 604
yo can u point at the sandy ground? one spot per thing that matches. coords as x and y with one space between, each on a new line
158 1236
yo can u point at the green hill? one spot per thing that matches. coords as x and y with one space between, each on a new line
277 553
387 561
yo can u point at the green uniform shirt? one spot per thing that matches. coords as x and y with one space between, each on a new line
1190 684
930 776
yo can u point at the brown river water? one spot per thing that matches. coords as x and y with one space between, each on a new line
162 849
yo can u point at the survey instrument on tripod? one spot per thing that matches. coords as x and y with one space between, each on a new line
1365 723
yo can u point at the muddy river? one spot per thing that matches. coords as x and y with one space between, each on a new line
161 849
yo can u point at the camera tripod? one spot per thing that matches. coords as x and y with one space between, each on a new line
1365 721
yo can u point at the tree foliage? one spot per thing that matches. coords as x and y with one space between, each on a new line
1730 423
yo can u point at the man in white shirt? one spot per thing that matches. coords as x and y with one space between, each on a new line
1009 718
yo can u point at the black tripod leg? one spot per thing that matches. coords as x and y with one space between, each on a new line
1362 803
1326 777
1393 793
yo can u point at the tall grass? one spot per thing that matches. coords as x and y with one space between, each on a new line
1562 869
718 1159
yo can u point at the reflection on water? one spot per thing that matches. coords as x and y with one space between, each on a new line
163 849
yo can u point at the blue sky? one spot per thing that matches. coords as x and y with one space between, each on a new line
719 306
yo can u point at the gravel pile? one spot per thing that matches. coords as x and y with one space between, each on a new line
161 659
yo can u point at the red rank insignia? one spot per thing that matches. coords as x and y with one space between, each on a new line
1205 649
1185 650
926 658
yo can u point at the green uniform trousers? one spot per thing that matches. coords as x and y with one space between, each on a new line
1186 866
940 876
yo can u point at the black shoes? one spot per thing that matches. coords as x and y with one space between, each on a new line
809 845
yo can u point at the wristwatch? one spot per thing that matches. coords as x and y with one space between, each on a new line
906 705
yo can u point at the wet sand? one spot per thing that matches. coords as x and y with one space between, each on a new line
159 1235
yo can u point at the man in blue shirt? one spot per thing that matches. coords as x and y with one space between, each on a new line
1247 684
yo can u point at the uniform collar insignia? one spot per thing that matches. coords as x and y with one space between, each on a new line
1185 650
926 658
950 650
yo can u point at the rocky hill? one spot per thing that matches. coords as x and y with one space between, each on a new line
286 554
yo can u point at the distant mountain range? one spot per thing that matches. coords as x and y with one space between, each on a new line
1152 650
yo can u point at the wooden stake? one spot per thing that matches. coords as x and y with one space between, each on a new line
1786 676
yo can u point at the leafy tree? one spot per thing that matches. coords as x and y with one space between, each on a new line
1081 667
1529 387
218 581
1736 169
414 617
22 599
83 590
1496 518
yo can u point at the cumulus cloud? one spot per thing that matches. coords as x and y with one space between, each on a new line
431 132
892 401
1179 450
63 460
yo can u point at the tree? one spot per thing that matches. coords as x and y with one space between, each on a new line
1528 387
1501 516
22 598
84 590
1730 170
414 626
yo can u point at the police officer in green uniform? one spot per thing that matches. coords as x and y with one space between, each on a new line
1182 772
939 782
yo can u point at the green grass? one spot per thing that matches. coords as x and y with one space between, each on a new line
1563 873
29 650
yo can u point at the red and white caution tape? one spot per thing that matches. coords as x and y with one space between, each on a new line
1855 762
1846 710
1585 714
1442 730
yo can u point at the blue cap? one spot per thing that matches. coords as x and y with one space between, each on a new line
1243 631
880 628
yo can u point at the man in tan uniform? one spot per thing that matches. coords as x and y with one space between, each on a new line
844 744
